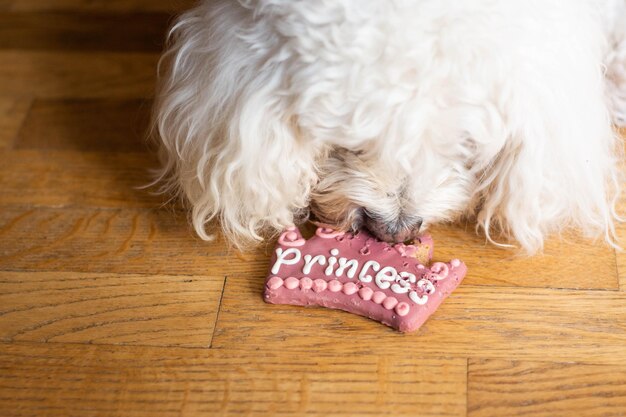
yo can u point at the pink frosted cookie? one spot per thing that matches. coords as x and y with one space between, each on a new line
359 274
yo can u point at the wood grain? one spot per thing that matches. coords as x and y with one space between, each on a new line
45 74
621 226
122 381
86 125
621 235
83 31
544 389
152 242
554 268
493 266
111 309
112 186
621 256
67 178
13 111
97 5
56 187
499 322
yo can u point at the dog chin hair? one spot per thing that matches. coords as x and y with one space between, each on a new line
267 108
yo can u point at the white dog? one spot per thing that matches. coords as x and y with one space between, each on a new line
396 114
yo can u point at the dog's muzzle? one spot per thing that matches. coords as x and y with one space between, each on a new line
400 230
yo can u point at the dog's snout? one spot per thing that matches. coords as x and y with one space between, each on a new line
399 230
417 223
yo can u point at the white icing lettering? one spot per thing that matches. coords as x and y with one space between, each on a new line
344 263
332 261
403 282
417 299
410 276
363 276
385 277
309 261
282 258
426 286
401 287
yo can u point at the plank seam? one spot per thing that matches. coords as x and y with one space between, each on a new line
217 315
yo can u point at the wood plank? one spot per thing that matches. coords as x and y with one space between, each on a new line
77 74
111 187
621 233
84 31
97 5
109 309
621 253
499 322
492 266
109 180
13 111
545 389
133 381
87 125
621 227
554 268
156 242
67 178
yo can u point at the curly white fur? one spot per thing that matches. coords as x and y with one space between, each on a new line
396 113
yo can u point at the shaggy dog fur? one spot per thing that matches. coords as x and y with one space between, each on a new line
396 114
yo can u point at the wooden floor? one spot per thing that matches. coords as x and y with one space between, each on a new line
109 306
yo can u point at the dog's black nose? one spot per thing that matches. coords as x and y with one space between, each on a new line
399 230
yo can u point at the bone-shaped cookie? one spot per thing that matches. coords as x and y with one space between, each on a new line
359 274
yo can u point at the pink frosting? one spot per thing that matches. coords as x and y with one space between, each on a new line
366 293
319 285
402 309
390 302
306 283
334 286
378 297
327 233
292 283
350 288
291 238
275 283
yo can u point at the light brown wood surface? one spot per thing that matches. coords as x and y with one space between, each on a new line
621 234
12 114
110 306
545 389
475 322
147 381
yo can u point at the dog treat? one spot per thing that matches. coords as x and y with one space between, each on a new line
359 274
